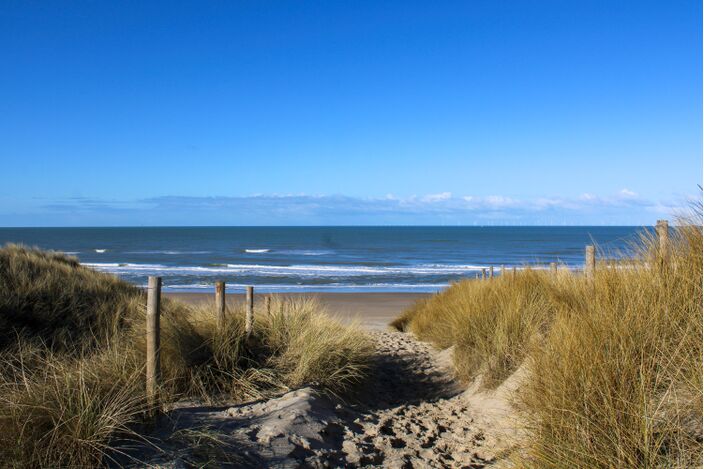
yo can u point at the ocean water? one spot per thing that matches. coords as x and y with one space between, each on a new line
281 259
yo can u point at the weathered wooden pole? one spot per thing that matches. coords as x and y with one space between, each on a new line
153 341
553 267
662 229
503 270
514 270
589 261
220 303
249 318
491 271
483 274
267 304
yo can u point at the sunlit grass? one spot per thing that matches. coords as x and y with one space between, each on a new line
615 363
73 352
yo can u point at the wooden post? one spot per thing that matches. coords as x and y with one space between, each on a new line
249 318
483 274
153 340
491 271
589 261
267 303
503 270
663 231
553 267
220 303
514 270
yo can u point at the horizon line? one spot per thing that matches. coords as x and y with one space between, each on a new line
330 226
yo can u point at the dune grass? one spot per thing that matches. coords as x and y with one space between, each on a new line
615 362
72 351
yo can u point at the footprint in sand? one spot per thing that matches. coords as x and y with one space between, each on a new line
411 413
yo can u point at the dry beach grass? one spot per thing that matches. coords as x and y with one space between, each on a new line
72 374
615 363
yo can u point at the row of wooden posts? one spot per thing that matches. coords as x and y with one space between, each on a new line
484 275
662 230
153 365
154 307
553 268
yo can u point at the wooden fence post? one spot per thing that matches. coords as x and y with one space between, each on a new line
483 274
249 318
589 261
267 303
491 271
662 229
153 341
220 303
514 270
503 270
553 267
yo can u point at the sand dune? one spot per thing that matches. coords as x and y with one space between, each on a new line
411 413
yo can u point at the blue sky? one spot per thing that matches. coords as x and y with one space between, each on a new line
348 112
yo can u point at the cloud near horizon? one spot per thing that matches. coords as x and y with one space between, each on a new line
625 207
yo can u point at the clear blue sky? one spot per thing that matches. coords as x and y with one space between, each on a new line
355 112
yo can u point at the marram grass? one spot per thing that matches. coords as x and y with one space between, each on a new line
72 348
615 363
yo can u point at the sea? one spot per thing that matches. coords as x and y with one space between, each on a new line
321 259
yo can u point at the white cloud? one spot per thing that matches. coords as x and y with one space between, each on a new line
437 197
628 193
499 201
622 207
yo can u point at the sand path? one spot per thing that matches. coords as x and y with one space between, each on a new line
410 413
413 413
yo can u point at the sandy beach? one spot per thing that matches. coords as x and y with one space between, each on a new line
372 310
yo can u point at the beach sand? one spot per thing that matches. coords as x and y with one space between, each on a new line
372 310
411 412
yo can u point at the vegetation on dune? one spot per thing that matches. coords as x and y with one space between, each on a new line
72 348
492 324
50 297
615 363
